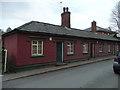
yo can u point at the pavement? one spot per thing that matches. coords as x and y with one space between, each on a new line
23 74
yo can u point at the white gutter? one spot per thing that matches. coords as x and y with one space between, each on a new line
5 60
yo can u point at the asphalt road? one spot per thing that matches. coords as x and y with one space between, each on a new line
95 75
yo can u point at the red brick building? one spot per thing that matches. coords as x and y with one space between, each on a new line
97 29
36 43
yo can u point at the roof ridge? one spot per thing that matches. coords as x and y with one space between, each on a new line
35 26
47 23
28 23
36 22
103 28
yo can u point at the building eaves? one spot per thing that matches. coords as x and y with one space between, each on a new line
35 26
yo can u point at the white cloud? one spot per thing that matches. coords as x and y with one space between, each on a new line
82 12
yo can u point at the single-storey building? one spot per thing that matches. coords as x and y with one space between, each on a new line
39 43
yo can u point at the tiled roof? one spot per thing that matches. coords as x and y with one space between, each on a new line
99 29
41 27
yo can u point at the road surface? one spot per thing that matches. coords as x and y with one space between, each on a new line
95 75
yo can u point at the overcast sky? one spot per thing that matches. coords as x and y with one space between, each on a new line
17 12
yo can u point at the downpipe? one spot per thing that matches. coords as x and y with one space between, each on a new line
5 64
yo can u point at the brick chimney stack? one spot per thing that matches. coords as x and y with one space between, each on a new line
93 26
65 17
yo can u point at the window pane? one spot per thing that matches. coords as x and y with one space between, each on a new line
34 42
72 44
70 48
68 44
39 42
34 49
40 47
39 51
37 47
85 48
34 52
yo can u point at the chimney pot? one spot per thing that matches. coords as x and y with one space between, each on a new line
63 9
66 9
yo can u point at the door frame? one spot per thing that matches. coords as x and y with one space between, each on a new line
113 49
92 47
62 51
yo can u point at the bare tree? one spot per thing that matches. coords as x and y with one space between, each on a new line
116 18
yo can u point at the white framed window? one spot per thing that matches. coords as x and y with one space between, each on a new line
37 48
100 46
109 48
70 48
85 47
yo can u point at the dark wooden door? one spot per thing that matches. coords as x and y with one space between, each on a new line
92 50
59 52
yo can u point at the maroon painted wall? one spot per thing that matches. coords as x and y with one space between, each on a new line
10 43
19 48
24 50
78 49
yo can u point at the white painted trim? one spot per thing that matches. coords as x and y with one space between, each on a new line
5 64
93 50
31 47
86 46
42 48
37 48
100 45
108 47
70 47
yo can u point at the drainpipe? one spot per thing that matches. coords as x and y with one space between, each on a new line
5 60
